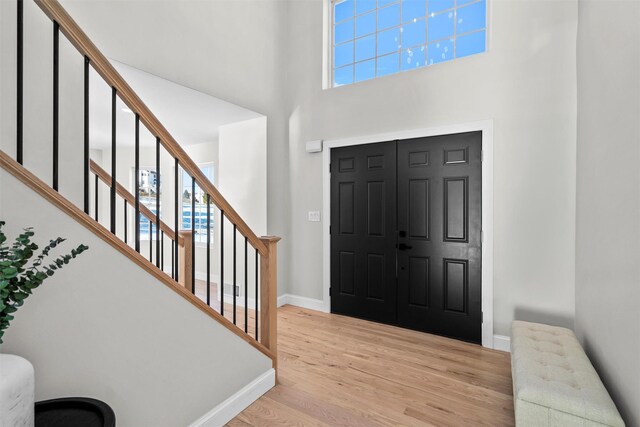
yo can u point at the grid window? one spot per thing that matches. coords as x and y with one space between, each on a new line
199 215
374 38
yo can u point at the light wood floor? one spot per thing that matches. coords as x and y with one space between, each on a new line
339 371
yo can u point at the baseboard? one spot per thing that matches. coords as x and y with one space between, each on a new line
283 300
227 410
502 343
203 276
298 301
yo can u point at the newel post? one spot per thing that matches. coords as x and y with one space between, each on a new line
269 296
184 260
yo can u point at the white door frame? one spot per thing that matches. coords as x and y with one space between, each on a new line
486 126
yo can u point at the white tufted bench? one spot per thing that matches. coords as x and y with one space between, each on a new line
554 383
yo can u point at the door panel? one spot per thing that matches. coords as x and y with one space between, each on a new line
363 209
405 235
451 248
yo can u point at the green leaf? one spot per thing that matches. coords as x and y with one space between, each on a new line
32 285
19 296
10 272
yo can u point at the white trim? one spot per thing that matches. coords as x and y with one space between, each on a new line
282 300
327 39
486 126
227 410
502 343
299 301
203 276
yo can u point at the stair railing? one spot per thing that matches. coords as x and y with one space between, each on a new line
184 236
263 328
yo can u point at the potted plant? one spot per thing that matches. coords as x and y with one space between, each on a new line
22 269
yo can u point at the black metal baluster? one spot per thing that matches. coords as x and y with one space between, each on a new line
193 235
56 103
125 221
137 180
208 201
86 135
113 160
19 80
234 273
221 262
246 284
95 208
175 220
150 240
256 296
157 200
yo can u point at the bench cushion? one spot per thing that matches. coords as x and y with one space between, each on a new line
554 382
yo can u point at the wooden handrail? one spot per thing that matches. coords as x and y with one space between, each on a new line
131 199
54 10
55 198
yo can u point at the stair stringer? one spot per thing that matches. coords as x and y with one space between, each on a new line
104 327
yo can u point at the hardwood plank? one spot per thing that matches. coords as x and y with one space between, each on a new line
340 371
266 412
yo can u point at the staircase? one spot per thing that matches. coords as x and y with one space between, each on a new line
254 320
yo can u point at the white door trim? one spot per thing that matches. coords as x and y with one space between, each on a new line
486 126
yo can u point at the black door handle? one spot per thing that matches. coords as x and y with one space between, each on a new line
404 247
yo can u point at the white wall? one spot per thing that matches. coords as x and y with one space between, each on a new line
38 98
242 172
242 180
525 83
173 364
608 197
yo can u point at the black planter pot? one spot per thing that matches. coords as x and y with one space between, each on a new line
74 412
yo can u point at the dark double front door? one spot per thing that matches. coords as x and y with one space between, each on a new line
406 233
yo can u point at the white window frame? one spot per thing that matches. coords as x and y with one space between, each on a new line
327 40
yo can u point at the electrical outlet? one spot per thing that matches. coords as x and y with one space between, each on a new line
228 289
314 216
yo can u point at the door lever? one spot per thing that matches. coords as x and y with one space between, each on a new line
404 247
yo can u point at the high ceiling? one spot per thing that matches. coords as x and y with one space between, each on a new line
190 116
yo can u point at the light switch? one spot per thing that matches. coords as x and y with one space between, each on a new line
314 216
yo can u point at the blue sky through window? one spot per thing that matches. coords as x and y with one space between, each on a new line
199 216
375 38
